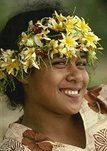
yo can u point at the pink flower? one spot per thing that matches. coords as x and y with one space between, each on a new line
36 141
94 102
37 29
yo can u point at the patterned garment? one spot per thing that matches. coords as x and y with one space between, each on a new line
21 138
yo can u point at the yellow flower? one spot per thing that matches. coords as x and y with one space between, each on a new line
11 66
27 53
68 41
9 62
67 52
70 23
82 25
60 17
63 51
29 64
23 39
91 39
53 45
28 58
57 26
7 54
30 42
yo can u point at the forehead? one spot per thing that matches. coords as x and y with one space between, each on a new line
57 58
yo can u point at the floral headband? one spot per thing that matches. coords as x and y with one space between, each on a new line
66 36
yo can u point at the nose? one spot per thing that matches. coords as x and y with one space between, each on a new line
74 74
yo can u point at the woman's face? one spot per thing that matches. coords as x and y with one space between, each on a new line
59 88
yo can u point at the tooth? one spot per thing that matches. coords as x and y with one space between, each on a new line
69 92
66 92
72 92
75 92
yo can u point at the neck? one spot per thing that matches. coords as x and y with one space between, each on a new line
48 122
63 128
60 128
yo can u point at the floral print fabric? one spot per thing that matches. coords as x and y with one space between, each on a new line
36 141
11 145
101 140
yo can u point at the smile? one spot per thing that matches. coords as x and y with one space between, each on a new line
70 93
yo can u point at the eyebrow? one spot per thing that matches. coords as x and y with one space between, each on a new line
58 59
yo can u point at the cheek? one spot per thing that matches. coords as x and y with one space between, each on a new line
44 81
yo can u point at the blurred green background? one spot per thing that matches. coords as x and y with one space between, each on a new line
94 11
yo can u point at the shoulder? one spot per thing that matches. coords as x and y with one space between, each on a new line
92 118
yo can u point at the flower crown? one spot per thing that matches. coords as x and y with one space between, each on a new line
66 36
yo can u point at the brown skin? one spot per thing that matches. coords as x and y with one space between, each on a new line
48 109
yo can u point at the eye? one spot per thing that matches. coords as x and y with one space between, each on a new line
82 64
59 63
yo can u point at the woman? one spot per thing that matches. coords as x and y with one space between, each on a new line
47 76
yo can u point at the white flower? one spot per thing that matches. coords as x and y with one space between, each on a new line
37 41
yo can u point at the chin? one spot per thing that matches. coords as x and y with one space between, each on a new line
74 109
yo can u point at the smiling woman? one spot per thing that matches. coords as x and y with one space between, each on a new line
43 69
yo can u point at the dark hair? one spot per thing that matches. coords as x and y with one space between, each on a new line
8 40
